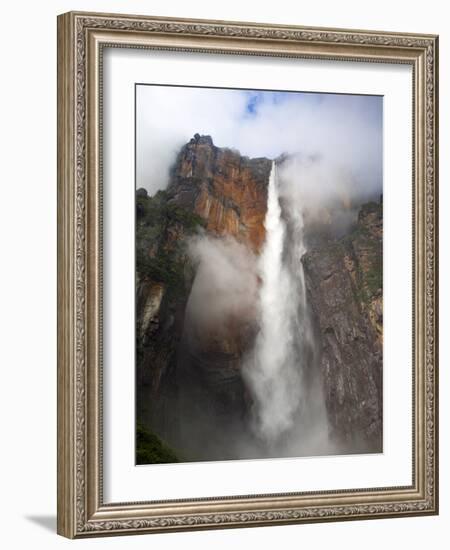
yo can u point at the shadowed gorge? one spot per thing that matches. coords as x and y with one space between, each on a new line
258 314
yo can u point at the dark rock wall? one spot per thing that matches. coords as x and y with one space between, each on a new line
344 282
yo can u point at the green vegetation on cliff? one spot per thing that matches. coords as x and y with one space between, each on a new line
158 213
150 449
160 230
366 244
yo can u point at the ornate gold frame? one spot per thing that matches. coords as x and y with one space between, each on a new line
81 37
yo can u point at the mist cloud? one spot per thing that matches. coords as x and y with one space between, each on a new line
225 290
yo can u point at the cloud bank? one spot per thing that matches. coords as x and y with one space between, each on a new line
343 130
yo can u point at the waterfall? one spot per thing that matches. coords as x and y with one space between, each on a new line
275 369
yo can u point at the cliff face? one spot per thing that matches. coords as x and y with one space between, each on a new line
185 371
344 282
227 190
163 282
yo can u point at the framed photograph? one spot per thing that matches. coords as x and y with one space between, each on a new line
247 274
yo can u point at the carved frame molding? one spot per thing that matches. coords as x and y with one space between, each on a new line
81 37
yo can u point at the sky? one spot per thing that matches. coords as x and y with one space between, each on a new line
344 130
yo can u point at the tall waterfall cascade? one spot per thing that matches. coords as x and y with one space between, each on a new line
277 366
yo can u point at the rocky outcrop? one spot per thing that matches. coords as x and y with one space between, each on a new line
344 283
227 190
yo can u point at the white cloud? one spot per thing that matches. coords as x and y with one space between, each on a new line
344 129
